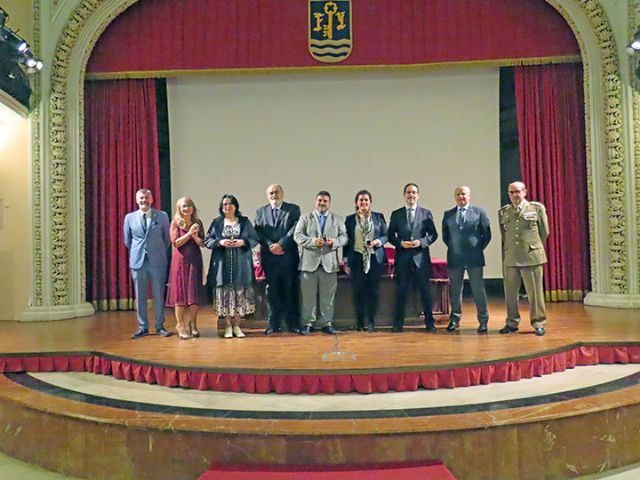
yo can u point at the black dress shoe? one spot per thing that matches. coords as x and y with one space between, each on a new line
430 328
295 330
453 326
141 332
306 330
269 331
397 329
164 332
371 328
508 329
328 329
482 328
539 331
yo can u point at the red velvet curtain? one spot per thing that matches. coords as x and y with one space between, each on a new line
121 156
550 110
165 35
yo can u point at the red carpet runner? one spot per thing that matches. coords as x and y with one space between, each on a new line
428 470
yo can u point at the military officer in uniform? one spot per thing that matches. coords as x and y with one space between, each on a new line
524 229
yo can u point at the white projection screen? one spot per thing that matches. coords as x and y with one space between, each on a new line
341 132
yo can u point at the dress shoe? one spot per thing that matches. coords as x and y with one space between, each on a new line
269 331
508 329
539 331
306 330
237 332
397 329
430 328
295 330
482 328
371 328
328 329
195 333
453 326
184 336
163 332
141 332
228 332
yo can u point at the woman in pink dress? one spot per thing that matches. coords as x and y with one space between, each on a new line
186 290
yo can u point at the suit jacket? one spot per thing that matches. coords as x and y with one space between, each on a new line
244 276
307 230
466 244
423 229
280 232
152 241
523 234
379 233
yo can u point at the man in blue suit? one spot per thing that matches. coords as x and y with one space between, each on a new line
411 231
466 232
146 236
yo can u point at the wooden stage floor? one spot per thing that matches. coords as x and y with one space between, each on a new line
109 333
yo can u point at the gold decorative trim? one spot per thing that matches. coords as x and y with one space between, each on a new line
36 165
114 304
505 62
564 295
634 63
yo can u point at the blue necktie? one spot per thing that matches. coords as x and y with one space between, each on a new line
461 212
323 219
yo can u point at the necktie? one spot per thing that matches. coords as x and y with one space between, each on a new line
323 219
144 222
461 212
410 215
274 212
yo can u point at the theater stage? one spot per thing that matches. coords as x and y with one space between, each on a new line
488 406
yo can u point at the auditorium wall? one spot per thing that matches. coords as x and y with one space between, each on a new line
15 193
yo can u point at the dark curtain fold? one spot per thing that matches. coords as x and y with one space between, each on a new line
121 156
550 110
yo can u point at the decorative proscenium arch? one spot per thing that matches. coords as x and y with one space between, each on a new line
58 162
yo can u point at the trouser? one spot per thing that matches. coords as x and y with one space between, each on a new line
532 279
283 297
407 276
318 295
456 284
366 288
158 278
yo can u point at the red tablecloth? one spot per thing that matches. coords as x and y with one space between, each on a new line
438 266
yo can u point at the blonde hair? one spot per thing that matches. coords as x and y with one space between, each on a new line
179 219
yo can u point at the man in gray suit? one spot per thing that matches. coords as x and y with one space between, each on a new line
146 236
466 232
319 234
279 257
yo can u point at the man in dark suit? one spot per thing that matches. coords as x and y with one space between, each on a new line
411 231
275 224
146 236
466 232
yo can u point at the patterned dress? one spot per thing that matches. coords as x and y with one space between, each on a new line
229 300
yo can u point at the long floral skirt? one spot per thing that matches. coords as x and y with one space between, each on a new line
234 303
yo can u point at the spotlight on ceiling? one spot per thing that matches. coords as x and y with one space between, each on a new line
16 61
